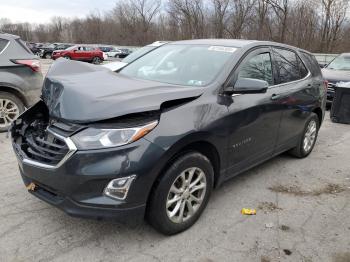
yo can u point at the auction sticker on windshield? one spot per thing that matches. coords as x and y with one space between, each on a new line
222 49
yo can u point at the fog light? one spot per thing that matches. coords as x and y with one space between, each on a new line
119 188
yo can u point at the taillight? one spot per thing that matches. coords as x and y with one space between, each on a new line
33 64
325 84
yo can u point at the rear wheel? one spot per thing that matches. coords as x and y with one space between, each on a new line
181 194
47 56
96 60
10 108
308 138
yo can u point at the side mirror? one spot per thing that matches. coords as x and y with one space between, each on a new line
249 86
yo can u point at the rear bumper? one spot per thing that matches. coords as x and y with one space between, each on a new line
32 97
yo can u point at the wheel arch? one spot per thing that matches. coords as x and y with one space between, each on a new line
14 91
203 146
318 111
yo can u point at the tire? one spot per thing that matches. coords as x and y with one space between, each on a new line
116 56
67 57
300 151
96 60
47 56
158 214
6 100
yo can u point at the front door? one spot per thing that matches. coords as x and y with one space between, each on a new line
80 53
253 118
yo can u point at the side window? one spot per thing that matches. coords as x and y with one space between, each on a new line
287 64
23 45
3 44
302 69
257 67
311 63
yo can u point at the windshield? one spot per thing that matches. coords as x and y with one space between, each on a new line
340 63
138 53
191 65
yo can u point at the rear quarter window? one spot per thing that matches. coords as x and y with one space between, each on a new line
311 63
3 44
23 45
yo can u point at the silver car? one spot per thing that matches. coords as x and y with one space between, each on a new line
20 79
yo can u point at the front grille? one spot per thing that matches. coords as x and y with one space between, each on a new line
45 148
39 140
331 87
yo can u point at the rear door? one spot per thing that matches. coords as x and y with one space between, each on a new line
253 118
295 94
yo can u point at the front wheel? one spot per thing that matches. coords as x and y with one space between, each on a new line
181 194
67 57
47 56
308 138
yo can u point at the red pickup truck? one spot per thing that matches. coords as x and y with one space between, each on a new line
81 53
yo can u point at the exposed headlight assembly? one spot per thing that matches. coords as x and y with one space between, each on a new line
94 138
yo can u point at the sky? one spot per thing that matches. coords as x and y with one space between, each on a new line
41 11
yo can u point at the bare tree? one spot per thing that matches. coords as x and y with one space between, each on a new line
220 17
316 25
189 16
334 13
241 10
281 9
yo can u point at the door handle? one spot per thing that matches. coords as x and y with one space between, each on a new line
275 97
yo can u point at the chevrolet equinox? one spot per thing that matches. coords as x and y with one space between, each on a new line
153 140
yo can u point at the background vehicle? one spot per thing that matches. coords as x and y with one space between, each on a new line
157 137
114 66
80 53
47 47
20 78
336 71
35 50
122 53
47 52
111 52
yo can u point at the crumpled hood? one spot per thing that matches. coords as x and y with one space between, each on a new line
336 75
82 92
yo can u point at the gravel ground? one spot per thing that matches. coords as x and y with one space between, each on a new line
302 206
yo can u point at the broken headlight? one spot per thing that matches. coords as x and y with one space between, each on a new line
94 138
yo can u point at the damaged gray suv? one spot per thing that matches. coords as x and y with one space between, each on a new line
154 139
20 79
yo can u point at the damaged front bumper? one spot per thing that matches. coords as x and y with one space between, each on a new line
74 180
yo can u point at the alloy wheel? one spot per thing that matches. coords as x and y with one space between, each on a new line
96 60
310 136
186 195
9 111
